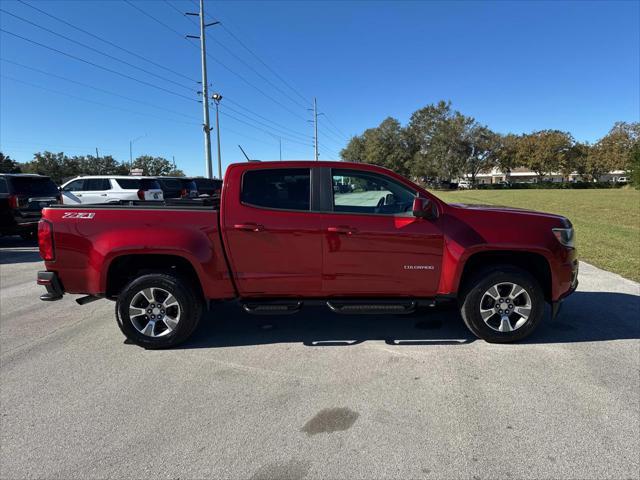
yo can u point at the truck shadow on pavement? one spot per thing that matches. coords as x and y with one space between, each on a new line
585 317
17 250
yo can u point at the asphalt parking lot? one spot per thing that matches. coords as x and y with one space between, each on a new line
317 395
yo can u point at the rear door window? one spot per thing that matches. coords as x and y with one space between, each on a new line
96 184
279 188
3 186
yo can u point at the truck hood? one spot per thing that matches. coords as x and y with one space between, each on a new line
508 210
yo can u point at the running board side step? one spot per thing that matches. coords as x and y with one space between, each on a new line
359 307
276 307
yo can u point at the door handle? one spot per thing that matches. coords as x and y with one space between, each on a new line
249 227
103 194
342 229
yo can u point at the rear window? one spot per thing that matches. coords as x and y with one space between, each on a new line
138 183
281 188
208 183
33 186
170 184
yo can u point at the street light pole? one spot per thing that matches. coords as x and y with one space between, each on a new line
216 98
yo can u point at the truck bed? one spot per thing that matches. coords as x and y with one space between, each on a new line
88 237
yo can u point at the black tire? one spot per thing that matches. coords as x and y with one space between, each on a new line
472 298
189 304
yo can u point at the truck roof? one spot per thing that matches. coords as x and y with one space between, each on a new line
308 164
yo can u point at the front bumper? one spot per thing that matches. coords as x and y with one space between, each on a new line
52 283
556 305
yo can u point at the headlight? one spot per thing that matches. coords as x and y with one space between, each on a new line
565 236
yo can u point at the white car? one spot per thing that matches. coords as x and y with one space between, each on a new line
464 184
110 189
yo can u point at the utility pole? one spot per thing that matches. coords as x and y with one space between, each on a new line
97 156
280 142
216 98
205 94
131 142
315 128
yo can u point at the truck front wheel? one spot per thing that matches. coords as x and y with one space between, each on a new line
158 311
502 305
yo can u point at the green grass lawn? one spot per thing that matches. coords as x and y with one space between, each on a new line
607 222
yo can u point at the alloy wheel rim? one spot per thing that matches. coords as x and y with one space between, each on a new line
505 307
154 312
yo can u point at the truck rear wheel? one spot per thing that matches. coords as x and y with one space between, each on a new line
158 311
503 304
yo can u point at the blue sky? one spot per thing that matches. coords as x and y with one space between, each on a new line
514 66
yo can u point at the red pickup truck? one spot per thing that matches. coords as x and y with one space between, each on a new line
354 237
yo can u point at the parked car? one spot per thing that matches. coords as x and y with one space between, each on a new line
208 186
622 180
178 187
283 239
464 185
110 189
22 198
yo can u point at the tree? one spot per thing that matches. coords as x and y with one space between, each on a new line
544 152
614 151
7 165
104 165
507 153
438 136
55 165
482 147
635 166
153 166
385 145
354 151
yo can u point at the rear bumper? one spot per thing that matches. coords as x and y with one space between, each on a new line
52 283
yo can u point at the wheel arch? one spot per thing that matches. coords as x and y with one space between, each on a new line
124 268
534 263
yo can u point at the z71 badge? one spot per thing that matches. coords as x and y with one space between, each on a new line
78 215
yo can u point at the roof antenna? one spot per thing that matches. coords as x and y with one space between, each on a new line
246 156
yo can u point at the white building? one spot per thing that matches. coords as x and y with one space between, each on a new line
523 175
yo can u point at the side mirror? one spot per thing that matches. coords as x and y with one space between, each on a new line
424 208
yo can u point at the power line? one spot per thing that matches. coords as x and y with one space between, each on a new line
262 129
285 132
108 42
281 126
332 136
95 50
109 92
336 128
297 92
241 77
92 101
96 65
237 57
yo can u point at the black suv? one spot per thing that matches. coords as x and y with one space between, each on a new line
22 198
208 186
177 187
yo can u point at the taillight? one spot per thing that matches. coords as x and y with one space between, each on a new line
14 202
45 240
184 193
141 194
